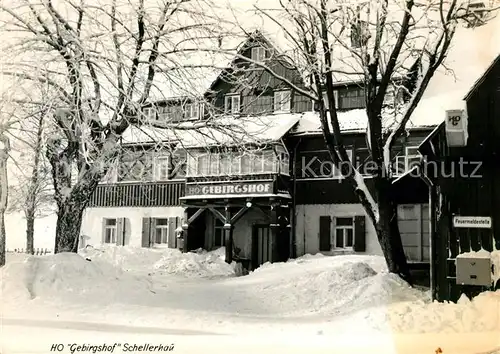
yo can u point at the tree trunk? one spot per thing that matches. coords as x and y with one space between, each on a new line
4 188
388 234
34 188
69 221
30 231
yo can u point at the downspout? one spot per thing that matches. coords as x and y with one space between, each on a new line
432 230
294 203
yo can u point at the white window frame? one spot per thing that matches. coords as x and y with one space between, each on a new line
404 160
259 53
344 233
162 228
159 162
192 110
232 98
113 229
280 103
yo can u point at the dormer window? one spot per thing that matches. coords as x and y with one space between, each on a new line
232 104
282 101
259 53
192 111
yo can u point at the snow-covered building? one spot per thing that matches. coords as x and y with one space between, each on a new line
462 171
257 179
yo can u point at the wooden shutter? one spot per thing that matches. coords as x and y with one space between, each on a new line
146 232
171 231
152 232
103 235
325 223
120 231
359 234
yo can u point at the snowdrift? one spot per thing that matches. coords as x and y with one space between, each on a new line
66 274
327 285
200 264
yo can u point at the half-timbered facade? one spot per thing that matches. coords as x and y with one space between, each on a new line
259 182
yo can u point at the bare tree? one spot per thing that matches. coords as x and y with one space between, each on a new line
392 49
103 63
4 154
32 193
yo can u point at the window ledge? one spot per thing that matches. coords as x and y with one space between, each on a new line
340 252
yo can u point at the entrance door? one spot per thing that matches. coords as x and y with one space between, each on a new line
261 245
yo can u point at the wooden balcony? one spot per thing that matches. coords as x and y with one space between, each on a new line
138 194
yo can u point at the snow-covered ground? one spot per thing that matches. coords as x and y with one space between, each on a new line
311 304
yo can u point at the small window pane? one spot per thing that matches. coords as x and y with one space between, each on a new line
344 221
161 221
110 222
235 164
245 163
214 164
269 159
349 236
203 165
225 164
339 239
256 161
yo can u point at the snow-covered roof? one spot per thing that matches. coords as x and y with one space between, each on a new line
429 113
226 130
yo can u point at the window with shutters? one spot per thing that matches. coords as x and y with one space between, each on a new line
110 231
161 232
344 233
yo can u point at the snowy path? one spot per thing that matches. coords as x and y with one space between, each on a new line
21 339
314 304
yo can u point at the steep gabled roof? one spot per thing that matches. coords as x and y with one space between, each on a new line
482 78
255 37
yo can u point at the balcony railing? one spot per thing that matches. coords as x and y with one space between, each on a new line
140 194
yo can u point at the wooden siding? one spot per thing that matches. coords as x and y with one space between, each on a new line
155 194
458 192
336 190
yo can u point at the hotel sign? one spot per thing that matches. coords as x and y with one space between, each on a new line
477 222
230 189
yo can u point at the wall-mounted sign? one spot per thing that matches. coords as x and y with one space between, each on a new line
478 222
229 188
456 127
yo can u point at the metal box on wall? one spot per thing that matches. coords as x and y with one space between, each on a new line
473 270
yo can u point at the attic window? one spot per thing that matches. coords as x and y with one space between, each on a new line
232 104
259 53
282 101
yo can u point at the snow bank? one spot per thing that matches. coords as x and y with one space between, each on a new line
127 258
164 261
327 285
200 264
482 314
63 275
